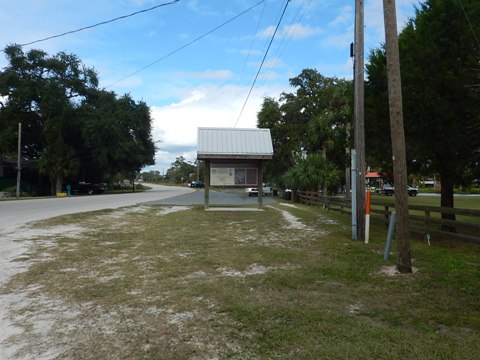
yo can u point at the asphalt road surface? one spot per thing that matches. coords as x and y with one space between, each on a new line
15 213
225 197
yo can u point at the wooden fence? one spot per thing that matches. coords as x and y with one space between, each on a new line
424 220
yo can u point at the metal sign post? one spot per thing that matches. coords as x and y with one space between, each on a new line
19 159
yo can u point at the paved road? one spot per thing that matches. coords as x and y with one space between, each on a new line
239 198
16 213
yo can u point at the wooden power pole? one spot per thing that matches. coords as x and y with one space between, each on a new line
359 129
404 264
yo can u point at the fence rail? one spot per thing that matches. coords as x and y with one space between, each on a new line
425 220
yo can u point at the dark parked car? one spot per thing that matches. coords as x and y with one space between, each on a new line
88 188
197 184
389 190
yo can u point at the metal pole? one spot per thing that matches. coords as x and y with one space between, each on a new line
260 184
354 195
391 231
207 185
19 159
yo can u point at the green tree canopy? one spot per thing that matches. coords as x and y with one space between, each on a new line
312 173
439 54
73 129
312 120
180 170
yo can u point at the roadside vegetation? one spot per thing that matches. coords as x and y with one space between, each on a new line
440 110
461 202
184 283
71 129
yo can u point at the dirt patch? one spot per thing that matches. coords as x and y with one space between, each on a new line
172 209
253 269
391 271
117 214
20 250
291 221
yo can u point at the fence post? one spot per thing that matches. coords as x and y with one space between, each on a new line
427 225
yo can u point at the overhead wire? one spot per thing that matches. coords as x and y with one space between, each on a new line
291 30
289 34
187 44
240 78
261 64
101 23
277 18
469 23
252 42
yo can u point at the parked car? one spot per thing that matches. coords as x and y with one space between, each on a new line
389 190
253 191
197 184
88 188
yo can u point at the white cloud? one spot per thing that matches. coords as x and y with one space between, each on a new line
268 75
374 25
267 32
175 125
298 31
344 17
213 74
294 31
195 97
339 40
272 63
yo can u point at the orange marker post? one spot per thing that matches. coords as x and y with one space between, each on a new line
367 216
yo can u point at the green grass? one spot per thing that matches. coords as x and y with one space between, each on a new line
242 285
460 202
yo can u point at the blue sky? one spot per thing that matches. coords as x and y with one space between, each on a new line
207 82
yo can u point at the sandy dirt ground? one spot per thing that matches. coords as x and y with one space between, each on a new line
17 232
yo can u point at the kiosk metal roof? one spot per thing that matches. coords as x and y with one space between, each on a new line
232 143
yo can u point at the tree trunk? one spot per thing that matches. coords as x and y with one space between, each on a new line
404 264
447 200
53 185
324 154
59 183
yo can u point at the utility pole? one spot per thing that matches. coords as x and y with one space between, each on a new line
348 126
404 264
359 94
19 159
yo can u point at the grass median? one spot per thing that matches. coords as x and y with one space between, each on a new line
285 283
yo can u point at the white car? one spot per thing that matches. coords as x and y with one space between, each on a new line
253 191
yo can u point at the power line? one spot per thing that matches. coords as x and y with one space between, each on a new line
295 23
289 34
252 42
469 23
261 64
101 23
186 45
